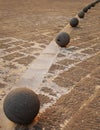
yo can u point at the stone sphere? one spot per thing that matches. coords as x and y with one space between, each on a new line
62 39
85 9
89 6
81 14
74 22
97 1
21 106
92 4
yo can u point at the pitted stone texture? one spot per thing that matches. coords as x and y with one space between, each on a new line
21 106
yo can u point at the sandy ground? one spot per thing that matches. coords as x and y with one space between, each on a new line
23 19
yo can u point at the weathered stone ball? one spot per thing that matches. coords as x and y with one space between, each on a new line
85 9
92 4
97 1
21 106
74 22
89 6
81 14
62 39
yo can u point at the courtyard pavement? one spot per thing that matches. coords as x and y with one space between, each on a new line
70 91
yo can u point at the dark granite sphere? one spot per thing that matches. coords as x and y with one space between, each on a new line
92 4
74 22
97 1
89 6
81 14
21 106
85 9
62 39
